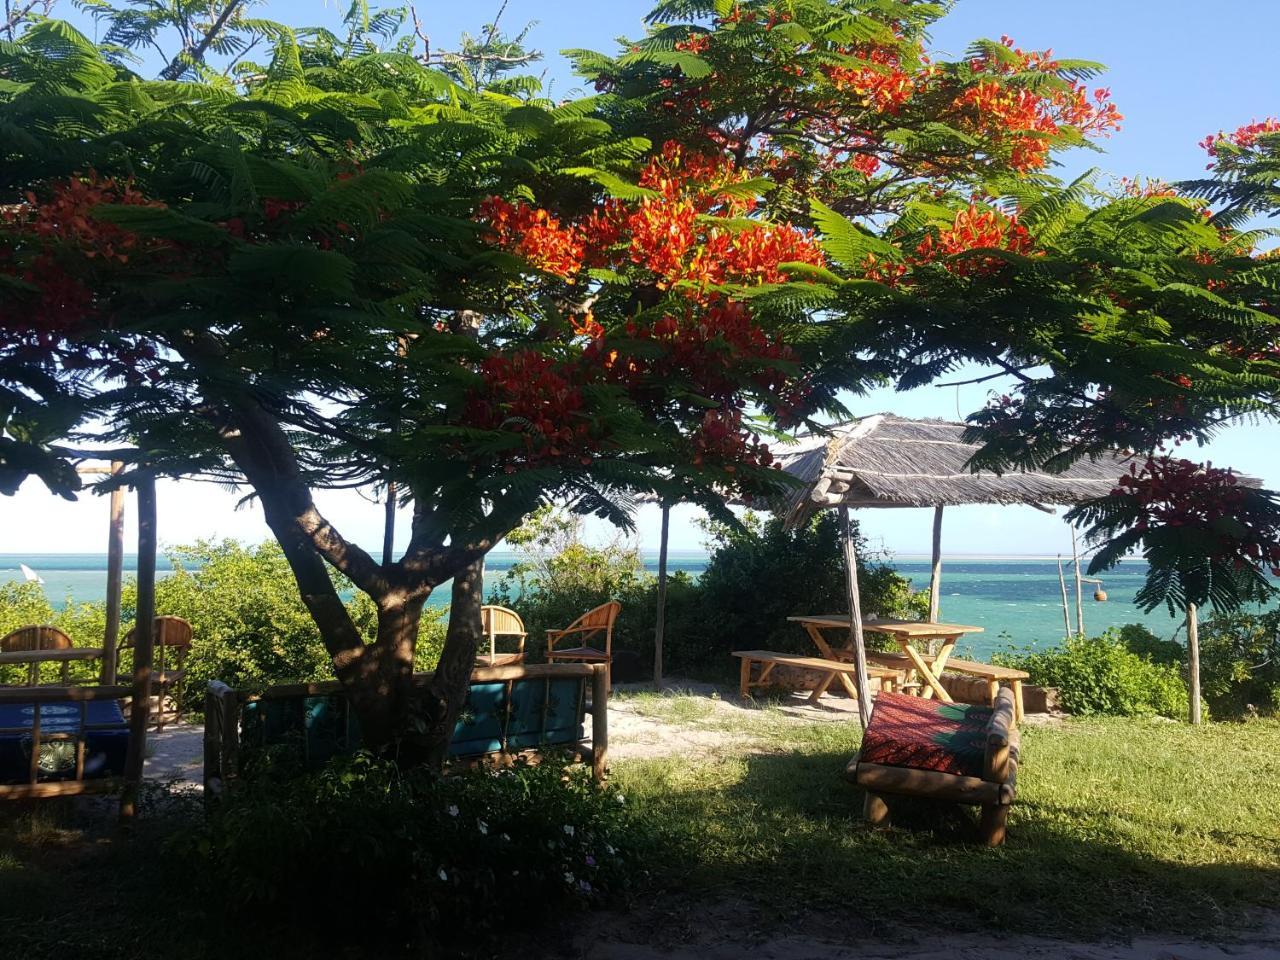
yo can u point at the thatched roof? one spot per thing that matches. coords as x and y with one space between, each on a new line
891 461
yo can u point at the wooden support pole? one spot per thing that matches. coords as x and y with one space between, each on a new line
115 581
855 618
1066 611
599 721
144 640
935 577
1193 653
660 624
1075 558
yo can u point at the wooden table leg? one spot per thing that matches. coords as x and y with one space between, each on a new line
923 669
820 642
744 679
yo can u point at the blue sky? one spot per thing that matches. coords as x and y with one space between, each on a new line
1178 69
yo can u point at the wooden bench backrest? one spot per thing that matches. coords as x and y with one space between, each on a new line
35 637
509 710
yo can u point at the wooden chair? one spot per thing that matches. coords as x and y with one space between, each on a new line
33 638
587 627
501 622
171 634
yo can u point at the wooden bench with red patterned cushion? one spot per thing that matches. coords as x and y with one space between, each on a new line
944 751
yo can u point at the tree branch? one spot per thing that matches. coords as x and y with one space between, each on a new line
190 55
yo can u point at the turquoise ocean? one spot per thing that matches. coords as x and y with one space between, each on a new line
1017 601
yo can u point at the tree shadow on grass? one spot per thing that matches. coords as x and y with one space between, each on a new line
789 833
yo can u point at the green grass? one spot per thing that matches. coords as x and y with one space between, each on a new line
1122 827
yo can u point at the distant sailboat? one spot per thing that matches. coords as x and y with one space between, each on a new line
31 575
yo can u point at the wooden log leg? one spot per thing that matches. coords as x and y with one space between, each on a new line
1017 700
744 678
875 811
993 691
991 827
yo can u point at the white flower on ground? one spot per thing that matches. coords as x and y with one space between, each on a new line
568 877
441 874
482 827
621 798
568 830
452 810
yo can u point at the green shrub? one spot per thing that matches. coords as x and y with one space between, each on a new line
249 625
442 862
1100 675
1140 640
1240 663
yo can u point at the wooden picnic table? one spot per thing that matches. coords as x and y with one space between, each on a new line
905 632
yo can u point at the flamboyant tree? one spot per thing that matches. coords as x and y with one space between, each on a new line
348 269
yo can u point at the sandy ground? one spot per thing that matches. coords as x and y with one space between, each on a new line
726 931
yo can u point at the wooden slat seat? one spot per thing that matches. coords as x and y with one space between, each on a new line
842 671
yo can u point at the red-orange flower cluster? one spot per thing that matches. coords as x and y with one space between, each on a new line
973 228
1243 137
46 242
665 234
885 89
535 235
539 398
713 347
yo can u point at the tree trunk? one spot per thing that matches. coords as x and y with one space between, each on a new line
381 689
453 674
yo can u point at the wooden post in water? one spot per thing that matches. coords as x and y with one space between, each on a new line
660 625
1193 654
115 580
144 640
935 577
855 618
1066 611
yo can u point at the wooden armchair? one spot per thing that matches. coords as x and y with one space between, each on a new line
501 622
590 626
169 657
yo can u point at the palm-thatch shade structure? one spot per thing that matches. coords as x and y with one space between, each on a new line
891 461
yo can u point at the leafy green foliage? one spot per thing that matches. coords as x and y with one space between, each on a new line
757 575
1240 663
1101 675
446 863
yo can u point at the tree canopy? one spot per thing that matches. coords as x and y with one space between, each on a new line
353 265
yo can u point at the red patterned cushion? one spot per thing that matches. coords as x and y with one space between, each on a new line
908 731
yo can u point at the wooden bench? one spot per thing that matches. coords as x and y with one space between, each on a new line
949 752
831 670
519 710
992 674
